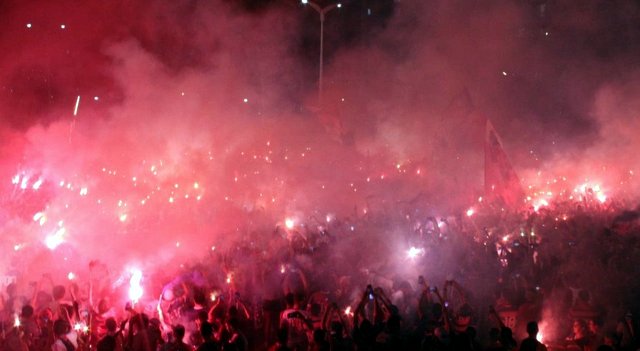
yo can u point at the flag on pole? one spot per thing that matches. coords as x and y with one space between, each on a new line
501 183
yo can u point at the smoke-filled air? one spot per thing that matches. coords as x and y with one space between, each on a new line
153 151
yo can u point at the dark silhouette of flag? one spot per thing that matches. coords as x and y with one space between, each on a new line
501 183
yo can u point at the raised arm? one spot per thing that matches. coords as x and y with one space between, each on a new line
445 309
360 308
327 315
241 305
345 323
493 313
210 314
386 303
163 322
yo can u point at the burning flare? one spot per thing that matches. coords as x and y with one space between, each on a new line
135 289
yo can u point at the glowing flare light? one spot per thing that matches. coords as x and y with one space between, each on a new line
289 223
347 311
135 289
414 252
54 240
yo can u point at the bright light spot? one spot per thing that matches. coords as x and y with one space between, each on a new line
123 217
245 100
37 184
414 252
601 197
71 276
62 26
289 223
15 179
540 203
213 248
135 289
24 183
213 296
84 191
339 5
304 1
54 240
505 238
16 321
196 185
282 269
229 278
347 311
178 244
171 199
16 247
28 25
96 98
504 73
37 216
470 212
542 330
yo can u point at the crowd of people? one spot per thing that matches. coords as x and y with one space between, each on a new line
519 281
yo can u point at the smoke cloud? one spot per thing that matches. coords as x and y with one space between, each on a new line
199 123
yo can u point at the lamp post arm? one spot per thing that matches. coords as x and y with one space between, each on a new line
314 6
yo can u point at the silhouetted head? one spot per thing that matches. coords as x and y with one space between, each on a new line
61 327
111 325
532 329
27 311
178 332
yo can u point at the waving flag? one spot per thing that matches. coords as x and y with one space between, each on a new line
501 182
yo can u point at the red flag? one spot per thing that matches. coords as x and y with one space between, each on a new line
501 183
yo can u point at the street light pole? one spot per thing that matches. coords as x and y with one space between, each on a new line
322 11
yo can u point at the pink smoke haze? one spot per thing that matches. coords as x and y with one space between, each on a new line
198 125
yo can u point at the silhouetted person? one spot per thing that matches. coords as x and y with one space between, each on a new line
531 343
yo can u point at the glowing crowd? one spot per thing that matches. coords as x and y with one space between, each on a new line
557 278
